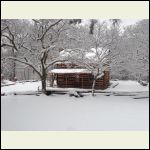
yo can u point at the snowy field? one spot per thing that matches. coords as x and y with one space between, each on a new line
65 113
119 86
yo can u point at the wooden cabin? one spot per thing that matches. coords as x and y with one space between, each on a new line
70 75
74 77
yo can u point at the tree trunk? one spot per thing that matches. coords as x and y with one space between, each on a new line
93 86
28 74
43 80
14 69
24 72
14 64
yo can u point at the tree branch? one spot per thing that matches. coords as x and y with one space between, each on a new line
26 63
42 37
54 62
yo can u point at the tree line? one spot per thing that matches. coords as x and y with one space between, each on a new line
35 46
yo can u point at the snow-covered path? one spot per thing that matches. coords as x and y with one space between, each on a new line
64 113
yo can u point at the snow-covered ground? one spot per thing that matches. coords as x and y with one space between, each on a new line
130 86
126 86
65 113
21 87
61 112
7 82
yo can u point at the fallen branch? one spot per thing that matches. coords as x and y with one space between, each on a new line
115 85
125 94
7 84
24 93
140 97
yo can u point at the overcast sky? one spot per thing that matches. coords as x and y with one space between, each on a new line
124 22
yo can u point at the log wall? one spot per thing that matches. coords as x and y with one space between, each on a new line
82 80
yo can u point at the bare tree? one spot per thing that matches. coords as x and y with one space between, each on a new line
134 48
115 22
97 61
95 57
35 46
6 34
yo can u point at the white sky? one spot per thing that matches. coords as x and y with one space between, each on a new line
124 22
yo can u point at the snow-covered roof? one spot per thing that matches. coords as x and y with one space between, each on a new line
91 54
63 53
70 71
